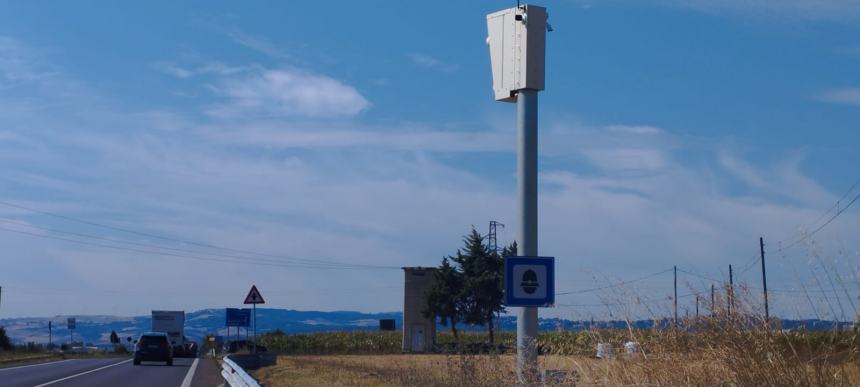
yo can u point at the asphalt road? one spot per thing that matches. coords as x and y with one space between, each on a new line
108 372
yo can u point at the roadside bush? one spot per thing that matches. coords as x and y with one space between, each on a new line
5 343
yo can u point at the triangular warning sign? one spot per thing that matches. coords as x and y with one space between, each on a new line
254 296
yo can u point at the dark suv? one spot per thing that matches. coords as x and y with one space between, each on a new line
153 346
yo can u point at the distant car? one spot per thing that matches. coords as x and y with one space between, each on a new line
153 346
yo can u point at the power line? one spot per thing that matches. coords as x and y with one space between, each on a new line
188 242
149 245
613 285
834 207
261 263
803 237
832 218
635 302
699 275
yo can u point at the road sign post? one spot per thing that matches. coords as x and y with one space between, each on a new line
254 297
529 281
517 42
70 324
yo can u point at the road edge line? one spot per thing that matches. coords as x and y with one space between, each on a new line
33 365
83 373
189 376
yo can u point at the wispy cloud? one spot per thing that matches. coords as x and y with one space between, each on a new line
207 68
287 92
430 62
791 9
296 181
845 96
259 44
19 64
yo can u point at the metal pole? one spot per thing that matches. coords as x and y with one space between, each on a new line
50 334
676 295
713 305
697 307
764 280
255 328
731 290
527 234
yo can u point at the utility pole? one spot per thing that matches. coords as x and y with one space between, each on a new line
527 317
713 304
764 281
675 299
517 43
492 237
731 290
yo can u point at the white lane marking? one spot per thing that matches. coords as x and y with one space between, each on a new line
34 365
83 373
190 375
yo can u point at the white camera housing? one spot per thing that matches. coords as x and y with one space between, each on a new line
517 40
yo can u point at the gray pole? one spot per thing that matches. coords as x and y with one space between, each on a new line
527 234
255 328
731 290
764 280
676 295
712 299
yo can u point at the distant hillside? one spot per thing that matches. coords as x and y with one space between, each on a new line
96 329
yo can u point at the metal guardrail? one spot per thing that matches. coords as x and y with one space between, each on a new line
235 376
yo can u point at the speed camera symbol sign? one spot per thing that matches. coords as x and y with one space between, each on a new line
529 281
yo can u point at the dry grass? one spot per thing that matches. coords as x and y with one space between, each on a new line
727 350
731 347
497 370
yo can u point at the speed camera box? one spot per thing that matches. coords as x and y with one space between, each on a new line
517 40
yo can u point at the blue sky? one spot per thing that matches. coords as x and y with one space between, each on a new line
672 133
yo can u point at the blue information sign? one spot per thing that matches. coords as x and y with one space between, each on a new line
529 281
238 317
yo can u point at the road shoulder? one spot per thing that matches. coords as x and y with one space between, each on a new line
208 373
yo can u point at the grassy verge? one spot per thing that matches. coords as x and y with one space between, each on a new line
13 357
9 358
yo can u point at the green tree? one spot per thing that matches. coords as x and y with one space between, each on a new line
5 343
483 277
114 338
444 297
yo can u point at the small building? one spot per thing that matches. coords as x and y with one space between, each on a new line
419 332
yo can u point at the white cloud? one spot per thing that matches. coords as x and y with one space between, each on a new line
288 92
793 9
401 138
430 62
364 194
19 64
634 129
846 96
207 68
628 159
258 44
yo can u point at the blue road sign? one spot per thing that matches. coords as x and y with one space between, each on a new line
529 281
238 317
